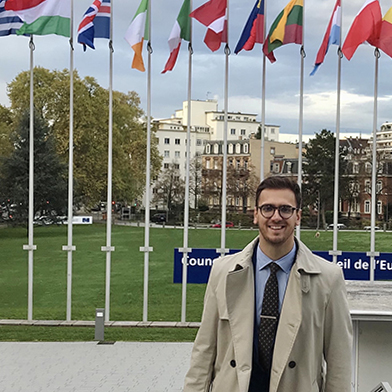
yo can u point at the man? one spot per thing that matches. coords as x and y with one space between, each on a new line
304 343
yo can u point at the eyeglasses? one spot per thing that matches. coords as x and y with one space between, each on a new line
285 212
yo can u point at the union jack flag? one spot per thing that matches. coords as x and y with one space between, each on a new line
95 23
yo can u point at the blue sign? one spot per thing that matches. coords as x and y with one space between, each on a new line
355 265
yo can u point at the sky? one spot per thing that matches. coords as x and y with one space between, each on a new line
245 69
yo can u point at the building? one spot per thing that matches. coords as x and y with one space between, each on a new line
241 179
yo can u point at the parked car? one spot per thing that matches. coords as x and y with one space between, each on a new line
158 218
368 228
218 225
341 226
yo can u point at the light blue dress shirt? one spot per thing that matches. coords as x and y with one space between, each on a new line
262 273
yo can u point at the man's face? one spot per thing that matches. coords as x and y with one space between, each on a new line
276 231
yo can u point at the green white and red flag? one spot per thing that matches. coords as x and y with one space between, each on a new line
42 17
180 31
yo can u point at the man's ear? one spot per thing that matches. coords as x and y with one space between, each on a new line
255 219
299 217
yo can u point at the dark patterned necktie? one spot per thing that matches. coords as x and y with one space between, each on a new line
269 318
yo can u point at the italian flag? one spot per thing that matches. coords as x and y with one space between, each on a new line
181 30
138 32
42 17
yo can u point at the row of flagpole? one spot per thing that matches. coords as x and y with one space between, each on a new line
147 249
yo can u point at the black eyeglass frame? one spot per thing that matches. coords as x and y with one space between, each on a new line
260 208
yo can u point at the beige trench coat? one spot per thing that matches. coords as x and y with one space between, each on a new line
313 343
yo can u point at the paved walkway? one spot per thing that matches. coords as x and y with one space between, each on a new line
88 366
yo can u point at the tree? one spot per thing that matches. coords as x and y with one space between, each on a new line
242 183
50 185
91 114
319 171
170 190
195 176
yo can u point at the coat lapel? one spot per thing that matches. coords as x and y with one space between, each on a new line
291 314
240 308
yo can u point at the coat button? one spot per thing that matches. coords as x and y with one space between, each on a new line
292 364
233 363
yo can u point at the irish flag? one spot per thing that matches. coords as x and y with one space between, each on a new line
42 17
286 29
137 32
181 30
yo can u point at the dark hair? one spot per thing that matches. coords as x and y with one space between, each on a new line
279 182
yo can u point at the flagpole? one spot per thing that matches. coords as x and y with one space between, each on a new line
335 252
69 247
185 250
262 137
372 252
223 249
31 247
147 249
301 111
109 248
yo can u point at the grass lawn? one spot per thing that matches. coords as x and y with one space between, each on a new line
88 292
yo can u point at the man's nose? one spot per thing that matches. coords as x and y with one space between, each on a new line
276 214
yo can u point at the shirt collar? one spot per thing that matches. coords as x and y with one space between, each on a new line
285 262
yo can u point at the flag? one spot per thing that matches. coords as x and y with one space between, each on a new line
95 23
254 29
286 29
138 32
366 27
180 30
9 21
331 37
42 17
213 15
385 40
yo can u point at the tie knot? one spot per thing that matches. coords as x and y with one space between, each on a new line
274 268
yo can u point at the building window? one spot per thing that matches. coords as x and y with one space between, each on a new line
237 201
276 168
238 164
177 141
177 154
272 151
208 164
198 142
367 186
167 140
216 148
177 166
379 207
166 154
246 165
238 148
379 187
165 165
243 132
368 167
367 207
356 168
246 148
208 149
273 130
231 162
230 148
232 131
215 164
